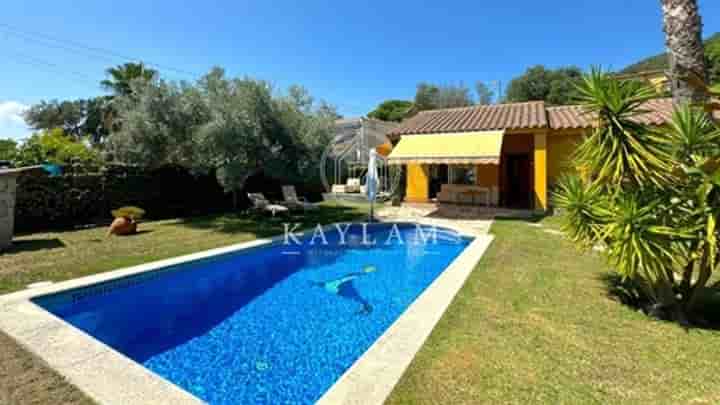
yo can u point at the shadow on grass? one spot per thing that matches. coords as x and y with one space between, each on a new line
531 218
33 245
138 233
622 291
265 225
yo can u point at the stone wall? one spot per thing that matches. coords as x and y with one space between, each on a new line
7 208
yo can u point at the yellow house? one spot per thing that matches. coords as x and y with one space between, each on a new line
657 78
506 155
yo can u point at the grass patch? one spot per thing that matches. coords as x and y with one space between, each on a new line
58 256
535 324
26 380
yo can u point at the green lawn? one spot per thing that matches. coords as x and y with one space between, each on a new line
60 256
533 324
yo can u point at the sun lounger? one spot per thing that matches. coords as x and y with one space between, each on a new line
353 185
293 201
260 203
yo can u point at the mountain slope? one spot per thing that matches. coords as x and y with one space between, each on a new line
712 51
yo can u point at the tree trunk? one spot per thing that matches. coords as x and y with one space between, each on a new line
686 281
706 270
683 38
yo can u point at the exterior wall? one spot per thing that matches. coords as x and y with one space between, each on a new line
7 209
660 83
418 183
559 152
540 171
548 151
487 175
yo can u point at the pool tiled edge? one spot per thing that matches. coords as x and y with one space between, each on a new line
374 375
109 377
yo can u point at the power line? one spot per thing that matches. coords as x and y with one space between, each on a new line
88 80
102 53
50 64
36 62
76 47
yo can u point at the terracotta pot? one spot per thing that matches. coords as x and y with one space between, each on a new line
123 226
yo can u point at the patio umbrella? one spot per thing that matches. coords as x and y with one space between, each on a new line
371 180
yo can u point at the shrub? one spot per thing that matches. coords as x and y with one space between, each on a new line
133 213
652 196
55 147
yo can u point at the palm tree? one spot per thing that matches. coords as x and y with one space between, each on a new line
683 38
122 76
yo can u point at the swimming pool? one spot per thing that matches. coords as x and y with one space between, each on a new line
276 324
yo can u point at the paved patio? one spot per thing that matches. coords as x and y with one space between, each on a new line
472 219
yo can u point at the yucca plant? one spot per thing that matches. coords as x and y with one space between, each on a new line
620 149
651 195
585 207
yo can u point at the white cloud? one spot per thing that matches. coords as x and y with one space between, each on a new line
11 112
12 123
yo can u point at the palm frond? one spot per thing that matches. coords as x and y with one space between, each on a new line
620 149
692 135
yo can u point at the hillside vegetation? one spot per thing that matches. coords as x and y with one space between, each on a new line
712 52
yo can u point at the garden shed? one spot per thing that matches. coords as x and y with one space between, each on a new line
347 158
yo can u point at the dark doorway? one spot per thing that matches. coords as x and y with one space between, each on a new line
438 177
517 181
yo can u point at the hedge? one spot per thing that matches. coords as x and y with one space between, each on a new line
87 197
73 200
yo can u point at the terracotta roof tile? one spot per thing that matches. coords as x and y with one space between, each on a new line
568 117
528 115
476 118
656 112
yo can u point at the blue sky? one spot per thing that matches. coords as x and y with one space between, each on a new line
351 55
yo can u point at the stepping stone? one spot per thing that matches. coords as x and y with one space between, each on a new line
553 232
535 224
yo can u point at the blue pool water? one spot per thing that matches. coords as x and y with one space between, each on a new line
273 325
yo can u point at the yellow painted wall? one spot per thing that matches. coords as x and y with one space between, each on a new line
551 153
660 82
418 183
559 154
540 165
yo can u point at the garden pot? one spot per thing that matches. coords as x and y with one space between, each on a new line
123 226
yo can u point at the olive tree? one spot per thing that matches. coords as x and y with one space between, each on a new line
234 126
